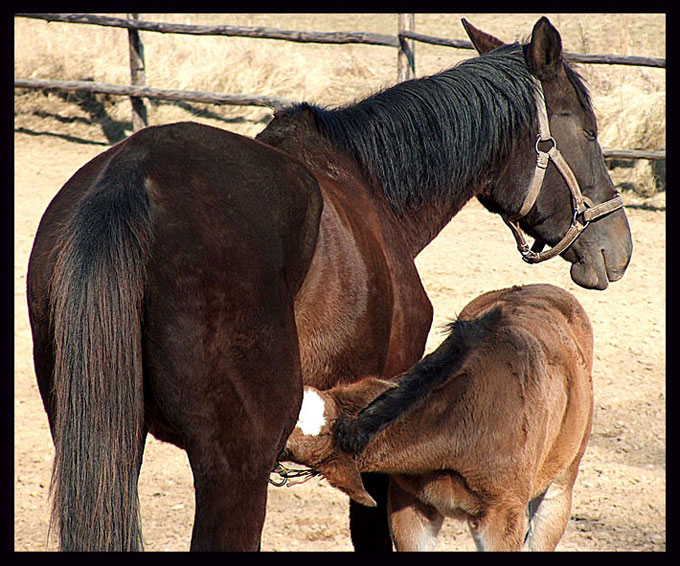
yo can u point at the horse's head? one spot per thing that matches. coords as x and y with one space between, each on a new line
571 203
312 442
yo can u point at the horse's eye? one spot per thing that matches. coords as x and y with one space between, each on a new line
590 135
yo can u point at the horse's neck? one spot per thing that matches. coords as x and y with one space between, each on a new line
420 225
501 188
397 449
417 223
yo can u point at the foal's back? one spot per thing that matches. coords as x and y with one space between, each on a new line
536 366
546 311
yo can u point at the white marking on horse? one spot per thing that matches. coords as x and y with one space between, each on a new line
312 413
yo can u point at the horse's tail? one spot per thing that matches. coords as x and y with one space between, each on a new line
96 295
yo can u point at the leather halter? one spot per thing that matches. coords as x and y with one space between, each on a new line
582 206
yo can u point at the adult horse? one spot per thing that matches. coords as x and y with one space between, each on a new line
187 281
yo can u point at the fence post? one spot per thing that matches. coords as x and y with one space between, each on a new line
137 75
406 58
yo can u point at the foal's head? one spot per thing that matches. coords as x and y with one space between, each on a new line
313 444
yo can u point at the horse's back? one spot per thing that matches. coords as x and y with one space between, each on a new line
231 193
200 180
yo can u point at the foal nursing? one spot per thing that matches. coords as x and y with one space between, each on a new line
490 427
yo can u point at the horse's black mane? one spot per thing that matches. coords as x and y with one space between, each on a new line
430 137
425 137
353 434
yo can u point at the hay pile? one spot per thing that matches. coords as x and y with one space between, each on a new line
631 118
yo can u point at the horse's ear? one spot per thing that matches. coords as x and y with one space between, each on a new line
544 53
343 474
482 42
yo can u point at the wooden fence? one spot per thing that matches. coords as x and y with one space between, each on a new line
403 41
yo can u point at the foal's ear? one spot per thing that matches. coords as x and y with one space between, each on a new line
343 474
482 42
352 398
544 53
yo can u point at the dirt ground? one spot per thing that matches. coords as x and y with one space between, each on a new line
620 497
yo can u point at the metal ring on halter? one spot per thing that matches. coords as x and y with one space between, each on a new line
539 140
576 213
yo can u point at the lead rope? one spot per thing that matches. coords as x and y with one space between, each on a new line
287 473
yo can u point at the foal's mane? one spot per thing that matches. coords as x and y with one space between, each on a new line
353 434
435 136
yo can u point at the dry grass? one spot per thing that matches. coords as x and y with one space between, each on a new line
629 101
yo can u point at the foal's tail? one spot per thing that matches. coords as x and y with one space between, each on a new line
96 308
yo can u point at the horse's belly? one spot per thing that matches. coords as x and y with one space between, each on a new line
445 491
343 311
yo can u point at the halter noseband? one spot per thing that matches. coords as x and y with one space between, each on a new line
582 206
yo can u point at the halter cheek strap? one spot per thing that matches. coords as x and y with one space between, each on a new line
582 206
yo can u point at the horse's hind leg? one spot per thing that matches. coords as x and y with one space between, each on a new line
500 528
227 381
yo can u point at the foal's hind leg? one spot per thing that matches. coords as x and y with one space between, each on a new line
500 528
551 517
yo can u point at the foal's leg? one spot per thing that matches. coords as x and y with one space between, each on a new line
500 528
550 519
414 525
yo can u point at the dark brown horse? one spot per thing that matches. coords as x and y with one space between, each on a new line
490 427
187 281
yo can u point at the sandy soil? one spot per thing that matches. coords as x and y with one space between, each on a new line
620 498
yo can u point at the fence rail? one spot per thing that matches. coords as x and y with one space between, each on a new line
337 37
333 37
156 93
403 41
606 59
